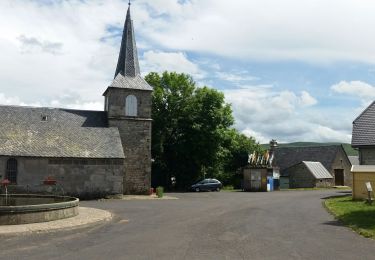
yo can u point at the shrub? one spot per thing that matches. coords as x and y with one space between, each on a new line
159 192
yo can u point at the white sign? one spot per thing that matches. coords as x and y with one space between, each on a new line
368 186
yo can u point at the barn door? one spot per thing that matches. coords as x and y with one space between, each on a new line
339 177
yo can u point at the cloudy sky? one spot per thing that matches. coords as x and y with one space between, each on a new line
293 70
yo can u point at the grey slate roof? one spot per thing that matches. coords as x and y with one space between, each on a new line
66 133
128 64
136 82
318 170
364 128
354 160
128 74
289 156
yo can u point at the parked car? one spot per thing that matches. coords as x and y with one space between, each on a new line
207 185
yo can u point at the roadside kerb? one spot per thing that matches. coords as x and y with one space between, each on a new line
87 217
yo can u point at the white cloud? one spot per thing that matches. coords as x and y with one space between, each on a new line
312 31
236 77
363 90
72 102
268 114
307 99
170 61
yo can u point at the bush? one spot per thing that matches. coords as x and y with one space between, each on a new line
159 192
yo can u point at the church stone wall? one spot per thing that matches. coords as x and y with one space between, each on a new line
136 140
117 97
135 133
85 178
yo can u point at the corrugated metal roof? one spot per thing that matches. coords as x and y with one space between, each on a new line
354 160
318 170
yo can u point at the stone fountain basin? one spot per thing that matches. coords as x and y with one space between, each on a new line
24 209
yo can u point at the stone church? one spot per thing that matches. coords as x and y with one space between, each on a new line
88 153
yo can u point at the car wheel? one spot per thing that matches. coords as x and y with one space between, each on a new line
197 190
217 189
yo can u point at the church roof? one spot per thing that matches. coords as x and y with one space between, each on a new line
136 82
128 64
364 128
57 132
128 74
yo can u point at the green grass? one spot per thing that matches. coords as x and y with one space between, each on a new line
338 188
306 189
355 214
230 188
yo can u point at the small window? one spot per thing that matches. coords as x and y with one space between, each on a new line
131 106
106 105
11 171
44 118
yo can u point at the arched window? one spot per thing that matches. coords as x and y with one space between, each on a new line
11 171
131 106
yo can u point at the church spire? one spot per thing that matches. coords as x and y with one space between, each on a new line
128 64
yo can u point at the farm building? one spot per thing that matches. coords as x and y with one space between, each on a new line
332 157
309 175
363 136
361 175
363 139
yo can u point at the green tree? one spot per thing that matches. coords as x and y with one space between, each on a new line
191 133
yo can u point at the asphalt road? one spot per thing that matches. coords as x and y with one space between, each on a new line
212 225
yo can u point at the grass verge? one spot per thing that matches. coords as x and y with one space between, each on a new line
328 188
355 214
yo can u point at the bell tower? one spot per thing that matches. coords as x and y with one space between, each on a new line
128 106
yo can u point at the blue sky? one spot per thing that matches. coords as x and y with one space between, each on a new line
293 70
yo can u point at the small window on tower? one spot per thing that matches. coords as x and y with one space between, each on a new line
131 106
44 118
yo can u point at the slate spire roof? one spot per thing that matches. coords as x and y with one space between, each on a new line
128 74
128 64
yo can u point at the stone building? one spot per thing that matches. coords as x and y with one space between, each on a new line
363 137
88 153
309 175
332 157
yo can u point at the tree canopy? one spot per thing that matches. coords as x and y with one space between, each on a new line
192 134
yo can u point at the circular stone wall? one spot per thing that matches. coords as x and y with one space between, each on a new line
24 209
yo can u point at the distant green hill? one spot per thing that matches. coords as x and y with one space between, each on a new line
347 147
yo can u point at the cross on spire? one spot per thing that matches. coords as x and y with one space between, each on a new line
128 64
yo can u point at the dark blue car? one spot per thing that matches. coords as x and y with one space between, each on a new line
207 185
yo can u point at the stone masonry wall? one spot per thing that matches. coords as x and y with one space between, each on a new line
300 177
135 135
89 178
117 97
136 140
367 156
342 162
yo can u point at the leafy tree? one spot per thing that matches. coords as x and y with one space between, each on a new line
192 135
